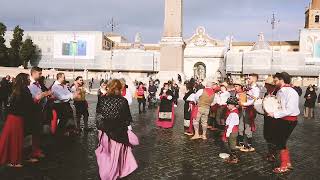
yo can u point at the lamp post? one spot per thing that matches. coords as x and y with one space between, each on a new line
74 54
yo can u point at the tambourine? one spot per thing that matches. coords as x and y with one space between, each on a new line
271 104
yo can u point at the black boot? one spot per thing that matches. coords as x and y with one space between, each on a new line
240 142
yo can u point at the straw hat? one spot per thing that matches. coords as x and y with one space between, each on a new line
269 80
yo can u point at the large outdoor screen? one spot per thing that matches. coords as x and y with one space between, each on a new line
73 45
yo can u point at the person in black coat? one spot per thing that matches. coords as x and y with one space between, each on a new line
5 91
310 102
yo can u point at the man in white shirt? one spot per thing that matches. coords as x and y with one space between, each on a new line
287 118
222 98
247 124
35 124
204 98
62 100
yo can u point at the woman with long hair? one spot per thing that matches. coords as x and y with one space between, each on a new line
12 136
114 154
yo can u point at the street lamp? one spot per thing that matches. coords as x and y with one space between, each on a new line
74 42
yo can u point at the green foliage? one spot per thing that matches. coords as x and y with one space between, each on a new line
27 52
3 48
3 29
16 44
35 59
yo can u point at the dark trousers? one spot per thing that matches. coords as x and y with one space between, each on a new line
81 111
269 128
142 101
3 108
65 113
283 130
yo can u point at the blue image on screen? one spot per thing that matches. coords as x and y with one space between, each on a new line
82 48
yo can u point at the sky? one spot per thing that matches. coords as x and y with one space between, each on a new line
243 19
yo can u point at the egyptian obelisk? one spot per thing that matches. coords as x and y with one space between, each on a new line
172 44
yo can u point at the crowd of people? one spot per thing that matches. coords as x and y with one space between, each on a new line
229 107
31 105
28 105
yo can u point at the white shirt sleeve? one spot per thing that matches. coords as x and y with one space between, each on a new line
255 93
192 97
198 94
224 98
34 90
289 103
61 94
232 120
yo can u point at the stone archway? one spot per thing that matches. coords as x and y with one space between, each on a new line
199 70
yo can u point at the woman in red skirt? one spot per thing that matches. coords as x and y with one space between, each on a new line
12 136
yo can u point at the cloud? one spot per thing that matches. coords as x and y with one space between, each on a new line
243 18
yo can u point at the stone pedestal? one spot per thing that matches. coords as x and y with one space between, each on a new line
172 44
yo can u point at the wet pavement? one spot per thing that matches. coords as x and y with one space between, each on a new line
168 154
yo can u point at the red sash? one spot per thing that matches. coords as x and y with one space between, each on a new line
290 118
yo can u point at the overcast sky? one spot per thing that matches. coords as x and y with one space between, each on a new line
243 19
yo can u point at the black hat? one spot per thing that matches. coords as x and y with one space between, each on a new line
232 100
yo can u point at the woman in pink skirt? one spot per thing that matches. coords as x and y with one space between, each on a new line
114 154
12 136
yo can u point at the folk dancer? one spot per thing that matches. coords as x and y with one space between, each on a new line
62 103
166 108
269 122
232 129
80 103
39 99
247 120
222 97
287 118
12 136
204 98
189 105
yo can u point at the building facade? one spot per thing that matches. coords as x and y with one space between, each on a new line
199 56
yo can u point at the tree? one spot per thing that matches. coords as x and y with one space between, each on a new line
14 51
27 52
35 59
3 47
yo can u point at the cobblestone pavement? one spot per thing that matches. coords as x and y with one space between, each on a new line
168 154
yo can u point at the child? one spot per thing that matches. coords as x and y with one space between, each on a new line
232 128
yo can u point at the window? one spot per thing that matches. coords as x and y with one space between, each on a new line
317 19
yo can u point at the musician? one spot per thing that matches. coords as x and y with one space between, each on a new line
204 97
269 122
247 124
62 102
242 98
286 118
